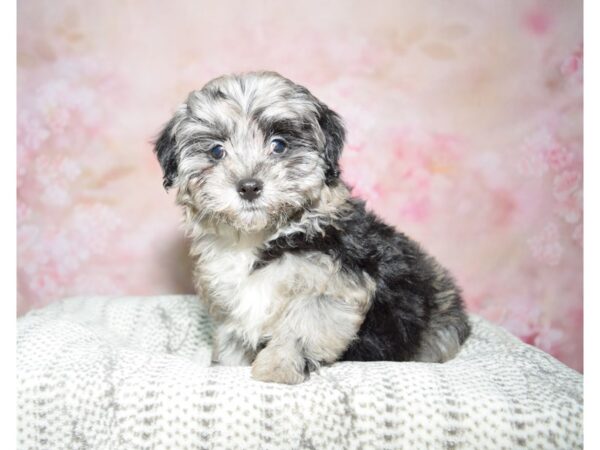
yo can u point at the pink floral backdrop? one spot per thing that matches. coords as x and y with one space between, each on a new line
464 120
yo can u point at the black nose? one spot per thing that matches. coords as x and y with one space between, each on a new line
249 188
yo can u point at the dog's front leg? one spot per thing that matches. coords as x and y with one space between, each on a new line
281 361
228 350
313 330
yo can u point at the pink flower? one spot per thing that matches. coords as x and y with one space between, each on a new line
542 151
518 314
27 235
557 156
572 66
416 209
571 209
537 21
532 164
70 168
445 143
546 247
31 133
362 184
46 287
50 103
565 184
55 195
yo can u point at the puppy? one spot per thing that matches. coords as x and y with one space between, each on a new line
295 272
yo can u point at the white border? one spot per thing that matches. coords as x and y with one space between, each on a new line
591 222
8 223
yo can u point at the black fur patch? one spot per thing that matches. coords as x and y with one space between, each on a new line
406 281
166 151
290 129
335 134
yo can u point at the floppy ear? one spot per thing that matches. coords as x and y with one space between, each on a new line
335 134
165 148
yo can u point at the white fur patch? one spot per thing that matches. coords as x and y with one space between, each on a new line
304 297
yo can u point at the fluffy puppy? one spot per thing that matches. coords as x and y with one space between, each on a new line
295 272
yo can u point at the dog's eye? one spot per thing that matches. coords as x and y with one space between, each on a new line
217 152
278 146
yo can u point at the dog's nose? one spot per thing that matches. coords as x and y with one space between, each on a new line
249 188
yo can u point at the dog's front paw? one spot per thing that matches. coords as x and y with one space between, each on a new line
275 366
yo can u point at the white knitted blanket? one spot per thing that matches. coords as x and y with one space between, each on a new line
133 373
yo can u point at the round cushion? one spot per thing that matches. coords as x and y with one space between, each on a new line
134 372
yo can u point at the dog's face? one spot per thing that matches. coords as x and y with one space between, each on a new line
250 150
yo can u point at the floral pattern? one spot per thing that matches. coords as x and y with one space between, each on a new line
464 131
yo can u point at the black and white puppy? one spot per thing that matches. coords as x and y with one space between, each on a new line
295 272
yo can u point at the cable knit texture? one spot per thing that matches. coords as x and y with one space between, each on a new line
134 373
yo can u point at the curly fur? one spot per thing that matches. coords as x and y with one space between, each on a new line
304 274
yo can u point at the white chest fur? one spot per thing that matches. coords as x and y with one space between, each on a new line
248 298
252 304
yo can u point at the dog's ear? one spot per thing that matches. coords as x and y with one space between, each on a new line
335 135
166 151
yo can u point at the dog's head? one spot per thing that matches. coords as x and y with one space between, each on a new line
250 150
